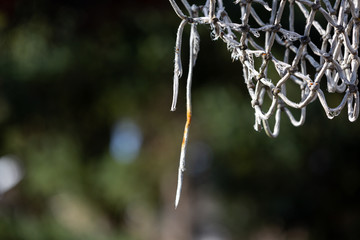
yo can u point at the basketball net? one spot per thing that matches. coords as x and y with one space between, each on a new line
318 57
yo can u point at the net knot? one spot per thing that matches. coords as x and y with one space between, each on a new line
242 2
251 85
345 66
305 39
244 28
243 47
275 28
327 57
223 14
266 56
276 91
214 20
189 19
339 29
313 86
357 21
352 88
254 103
291 70
287 43
315 6
332 12
259 77
326 37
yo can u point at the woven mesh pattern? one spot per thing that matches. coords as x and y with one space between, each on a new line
330 59
284 46
276 51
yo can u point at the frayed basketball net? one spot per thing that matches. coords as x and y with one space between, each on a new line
332 59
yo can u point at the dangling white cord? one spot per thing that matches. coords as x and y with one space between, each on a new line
194 49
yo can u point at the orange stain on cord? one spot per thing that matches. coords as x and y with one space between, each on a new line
187 125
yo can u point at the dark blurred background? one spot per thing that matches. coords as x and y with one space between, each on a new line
89 148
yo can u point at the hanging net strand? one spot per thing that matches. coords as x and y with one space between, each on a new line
277 53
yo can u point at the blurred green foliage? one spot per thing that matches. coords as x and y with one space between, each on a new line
71 70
